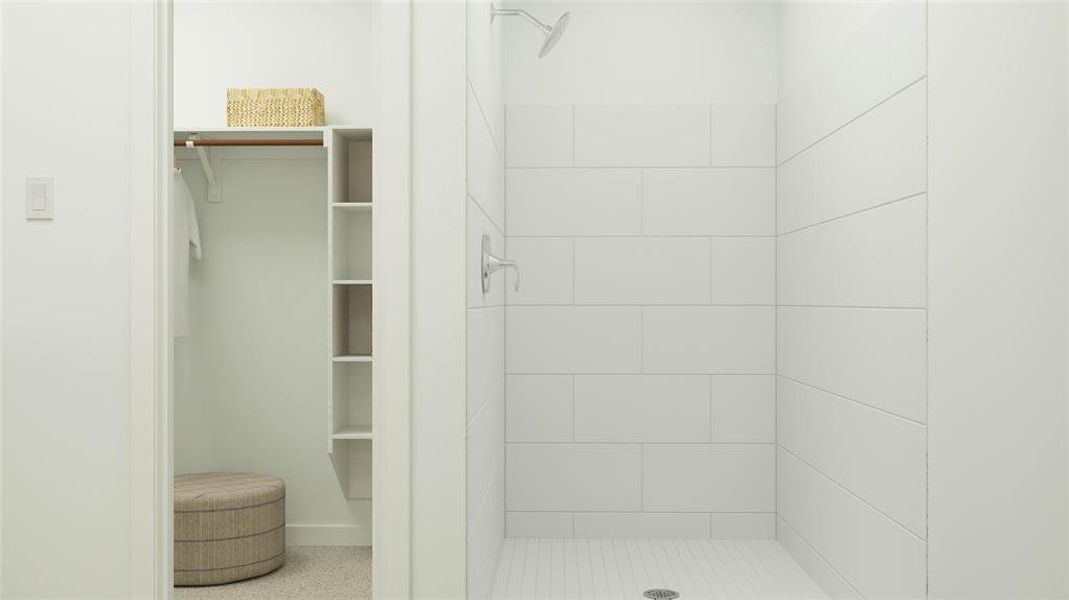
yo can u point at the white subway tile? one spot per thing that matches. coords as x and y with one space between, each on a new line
539 136
839 62
574 339
486 170
485 538
478 225
546 268
742 526
878 158
637 136
879 457
829 580
873 258
743 408
538 524
744 135
875 356
641 408
568 202
486 451
709 201
877 556
574 477
641 270
486 66
708 339
744 270
708 478
485 355
642 525
539 408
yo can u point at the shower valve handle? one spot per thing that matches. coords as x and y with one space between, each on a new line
491 264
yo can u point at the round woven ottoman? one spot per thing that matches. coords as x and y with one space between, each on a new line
227 527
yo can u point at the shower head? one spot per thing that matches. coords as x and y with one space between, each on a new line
553 34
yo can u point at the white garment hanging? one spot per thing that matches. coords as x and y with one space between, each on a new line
186 245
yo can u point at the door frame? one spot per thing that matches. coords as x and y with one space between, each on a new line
151 368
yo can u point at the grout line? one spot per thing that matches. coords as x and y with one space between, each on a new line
838 484
573 409
642 479
927 301
573 136
639 443
642 202
666 305
819 555
710 136
775 313
850 306
654 512
658 374
479 410
632 167
486 121
500 466
638 235
486 214
858 402
854 213
573 269
853 119
641 339
709 380
712 267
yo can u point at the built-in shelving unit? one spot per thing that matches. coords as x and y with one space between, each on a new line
350 233
348 287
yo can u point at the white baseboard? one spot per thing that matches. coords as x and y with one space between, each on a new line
328 535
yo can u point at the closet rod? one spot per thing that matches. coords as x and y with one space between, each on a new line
249 142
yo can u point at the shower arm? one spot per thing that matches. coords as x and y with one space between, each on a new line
515 12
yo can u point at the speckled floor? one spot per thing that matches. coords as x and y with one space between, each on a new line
323 572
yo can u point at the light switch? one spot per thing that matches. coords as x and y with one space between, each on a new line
40 194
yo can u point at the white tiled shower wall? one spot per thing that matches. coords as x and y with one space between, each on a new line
486 312
641 345
852 295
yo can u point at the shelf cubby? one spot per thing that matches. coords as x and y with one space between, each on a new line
352 323
352 244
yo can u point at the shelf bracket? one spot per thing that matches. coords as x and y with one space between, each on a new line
205 164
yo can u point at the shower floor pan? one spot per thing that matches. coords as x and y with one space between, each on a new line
611 569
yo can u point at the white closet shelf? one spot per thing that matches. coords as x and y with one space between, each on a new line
348 132
352 282
353 358
353 205
354 432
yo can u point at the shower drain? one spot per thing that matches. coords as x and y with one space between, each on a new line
659 594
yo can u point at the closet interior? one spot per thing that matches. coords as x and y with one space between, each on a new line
274 305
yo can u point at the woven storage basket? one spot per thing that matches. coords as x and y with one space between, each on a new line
274 107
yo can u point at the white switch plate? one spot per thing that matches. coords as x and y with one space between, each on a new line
40 197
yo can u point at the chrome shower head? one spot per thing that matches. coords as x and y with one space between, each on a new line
553 34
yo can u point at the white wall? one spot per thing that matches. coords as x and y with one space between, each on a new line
273 44
486 312
66 307
646 52
640 205
998 300
439 299
851 295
